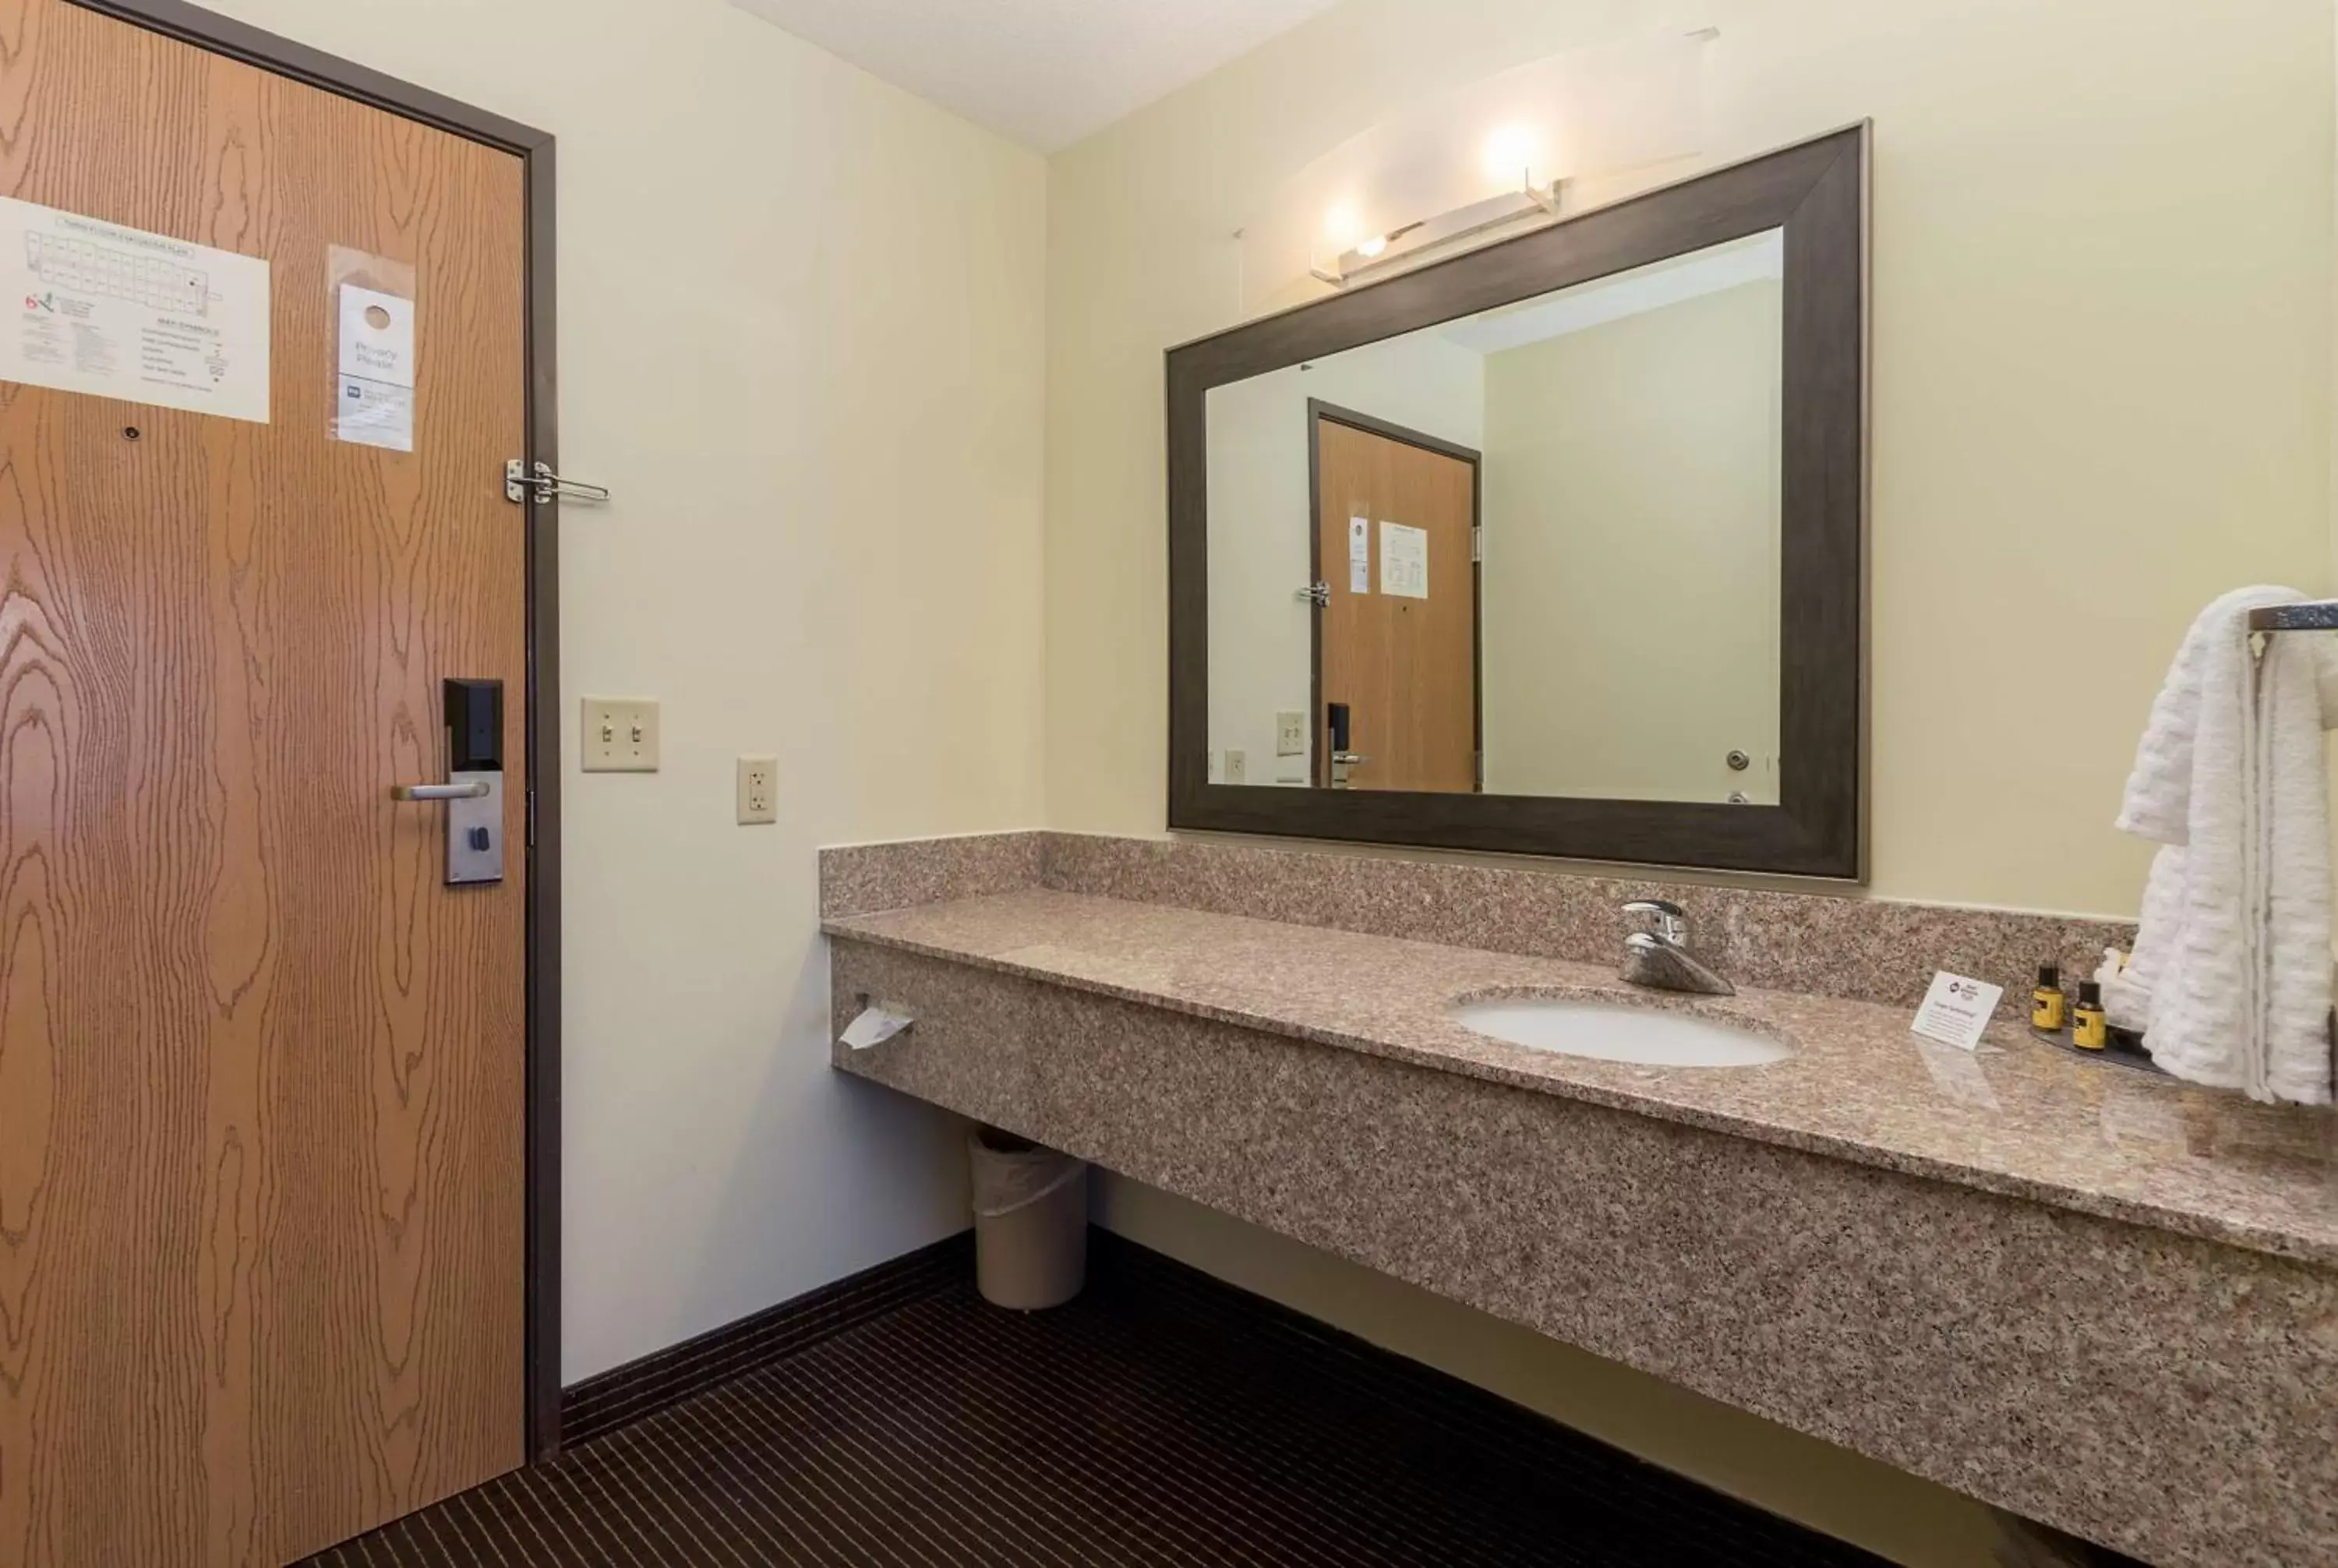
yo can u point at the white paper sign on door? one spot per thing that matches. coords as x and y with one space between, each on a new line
119 312
1404 561
375 407
1359 555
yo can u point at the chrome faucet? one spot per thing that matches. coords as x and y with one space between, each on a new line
1661 958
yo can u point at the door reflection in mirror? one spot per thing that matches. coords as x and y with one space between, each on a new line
1534 550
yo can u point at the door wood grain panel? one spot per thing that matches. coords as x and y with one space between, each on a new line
1408 668
261 1088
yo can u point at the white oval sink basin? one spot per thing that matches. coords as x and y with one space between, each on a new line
1611 1032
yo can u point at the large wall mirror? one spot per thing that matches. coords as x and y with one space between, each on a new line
1554 547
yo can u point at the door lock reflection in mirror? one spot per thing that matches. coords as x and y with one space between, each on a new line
1337 719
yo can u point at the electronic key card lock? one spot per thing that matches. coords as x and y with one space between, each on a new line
474 791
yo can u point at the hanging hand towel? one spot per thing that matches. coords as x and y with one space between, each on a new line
2234 949
2127 996
2293 797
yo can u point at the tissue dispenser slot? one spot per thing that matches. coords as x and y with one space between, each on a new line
873 1025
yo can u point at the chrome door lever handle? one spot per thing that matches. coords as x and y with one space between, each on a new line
470 791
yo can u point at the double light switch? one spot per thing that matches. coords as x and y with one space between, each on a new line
621 735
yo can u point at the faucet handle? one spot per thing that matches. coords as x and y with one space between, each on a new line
1672 920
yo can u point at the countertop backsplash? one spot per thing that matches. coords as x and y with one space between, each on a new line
1820 943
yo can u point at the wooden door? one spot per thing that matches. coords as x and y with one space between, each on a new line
261 1071
1402 653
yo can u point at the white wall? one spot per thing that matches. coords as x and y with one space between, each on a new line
801 317
2102 329
1631 582
1261 653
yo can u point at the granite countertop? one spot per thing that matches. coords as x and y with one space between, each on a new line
2020 1117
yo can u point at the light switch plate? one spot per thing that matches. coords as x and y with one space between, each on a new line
621 735
1237 766
758 799
1289 734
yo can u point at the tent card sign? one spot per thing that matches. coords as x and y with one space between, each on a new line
1956 1009
100 308
376 403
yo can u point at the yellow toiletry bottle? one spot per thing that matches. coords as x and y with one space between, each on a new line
2046 1002
2089 1031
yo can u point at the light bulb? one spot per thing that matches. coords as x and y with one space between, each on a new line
1510 155
1373 246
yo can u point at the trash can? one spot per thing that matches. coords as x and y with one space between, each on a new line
1030 1222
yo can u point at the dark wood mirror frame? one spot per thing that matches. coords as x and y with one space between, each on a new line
1816 192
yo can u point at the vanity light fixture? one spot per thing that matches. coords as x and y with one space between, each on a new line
1510 151
1529 206
1487 159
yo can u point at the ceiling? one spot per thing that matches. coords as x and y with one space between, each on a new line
1044 72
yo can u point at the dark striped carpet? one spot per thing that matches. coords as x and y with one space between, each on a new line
1162 1419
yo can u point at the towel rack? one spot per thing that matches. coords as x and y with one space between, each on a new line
2316 616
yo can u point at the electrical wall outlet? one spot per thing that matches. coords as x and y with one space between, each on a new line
621 735
1237 766
1289 734
758 800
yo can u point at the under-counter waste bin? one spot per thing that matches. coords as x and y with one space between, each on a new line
1030 1222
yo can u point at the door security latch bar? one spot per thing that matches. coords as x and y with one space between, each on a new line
523 481
1316 594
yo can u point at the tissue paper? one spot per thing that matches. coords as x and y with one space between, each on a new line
874 1026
